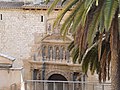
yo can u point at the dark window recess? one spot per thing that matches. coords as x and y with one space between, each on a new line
35 74
41 18
0 16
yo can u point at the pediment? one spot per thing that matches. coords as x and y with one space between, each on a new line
56 38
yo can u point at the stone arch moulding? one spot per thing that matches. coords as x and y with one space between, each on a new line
56 72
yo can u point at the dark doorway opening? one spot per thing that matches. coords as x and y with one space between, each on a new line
58 85
57 77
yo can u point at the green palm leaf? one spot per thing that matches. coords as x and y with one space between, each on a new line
87 6
71 46
94 26
47 1
64 10
109 12
63 2
102 12
75 54
53 5
89 60
70 18
77 19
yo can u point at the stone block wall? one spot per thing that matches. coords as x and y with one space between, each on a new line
19 31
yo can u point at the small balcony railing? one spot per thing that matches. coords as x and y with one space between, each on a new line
65 85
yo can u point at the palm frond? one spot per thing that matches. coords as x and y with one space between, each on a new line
101 24
87 6
63 2
87 17
108 66
77 19
89 49
93 27
64 10
94 65
66 28
96 2
52 6
71 46
100 46
70 18
109 12
89 60
103 64
94 61
47 1
75 54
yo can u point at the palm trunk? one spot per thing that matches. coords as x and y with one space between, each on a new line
115 61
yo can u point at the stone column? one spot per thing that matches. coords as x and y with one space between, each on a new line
54 53
67 56
64 54
61 53
50 53
57 54
43 53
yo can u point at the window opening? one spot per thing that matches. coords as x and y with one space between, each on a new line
41 18
0 16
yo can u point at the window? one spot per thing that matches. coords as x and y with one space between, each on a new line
0 16
41 18
35 74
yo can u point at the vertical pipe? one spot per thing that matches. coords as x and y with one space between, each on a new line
35 85
54 85
93 86
63 86
44 86
43 71
82 82
102 86
73 86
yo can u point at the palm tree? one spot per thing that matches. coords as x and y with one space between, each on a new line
90 58
86 18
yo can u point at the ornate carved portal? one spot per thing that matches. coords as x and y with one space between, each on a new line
53 58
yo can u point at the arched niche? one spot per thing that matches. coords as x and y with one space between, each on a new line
57 77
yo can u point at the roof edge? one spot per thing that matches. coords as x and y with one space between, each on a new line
6 56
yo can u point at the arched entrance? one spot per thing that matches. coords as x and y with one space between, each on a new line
57 77
57 85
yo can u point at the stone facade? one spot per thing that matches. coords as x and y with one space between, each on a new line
23 33
21 29
26 34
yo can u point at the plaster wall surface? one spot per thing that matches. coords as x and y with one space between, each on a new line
7 78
